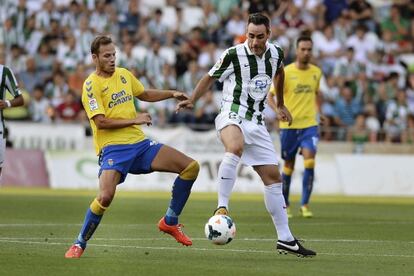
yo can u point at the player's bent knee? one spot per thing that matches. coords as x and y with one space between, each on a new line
235 150
191 171
309 163
105 199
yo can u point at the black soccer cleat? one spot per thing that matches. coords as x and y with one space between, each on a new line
295 248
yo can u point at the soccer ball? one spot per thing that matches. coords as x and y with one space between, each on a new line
220 229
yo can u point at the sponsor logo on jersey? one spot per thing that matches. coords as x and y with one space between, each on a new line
259 86
119 98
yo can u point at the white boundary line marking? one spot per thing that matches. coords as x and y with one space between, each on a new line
206 249
204 239
292 222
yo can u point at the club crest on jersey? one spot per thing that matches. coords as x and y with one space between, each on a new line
259 86
123 80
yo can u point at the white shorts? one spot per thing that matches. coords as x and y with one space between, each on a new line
258 146
2 151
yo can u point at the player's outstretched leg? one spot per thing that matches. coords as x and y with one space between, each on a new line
92 219
180 193
286 179
226 178
307 186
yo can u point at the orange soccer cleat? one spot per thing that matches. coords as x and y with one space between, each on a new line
175 231
74 252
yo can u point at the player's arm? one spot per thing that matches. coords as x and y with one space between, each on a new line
279 82
156 95
11 85
271 98
201 88
17 101
103 122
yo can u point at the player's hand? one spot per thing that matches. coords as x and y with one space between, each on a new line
180 96
284 115
186 104
3 105
143 118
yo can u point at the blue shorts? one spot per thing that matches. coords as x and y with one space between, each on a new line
293 139
130 158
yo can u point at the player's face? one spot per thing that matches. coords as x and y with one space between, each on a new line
257 36
105 60
304 52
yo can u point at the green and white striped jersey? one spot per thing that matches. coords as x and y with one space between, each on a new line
7 82
247 79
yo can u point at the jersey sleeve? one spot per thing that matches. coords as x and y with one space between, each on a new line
319 80
136 86
223 67
281 56
11 83
91 99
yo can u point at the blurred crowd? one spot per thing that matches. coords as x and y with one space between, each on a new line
364 47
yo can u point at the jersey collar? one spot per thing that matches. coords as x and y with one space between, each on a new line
249 52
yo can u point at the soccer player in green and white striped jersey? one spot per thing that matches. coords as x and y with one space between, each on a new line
7 83
247 71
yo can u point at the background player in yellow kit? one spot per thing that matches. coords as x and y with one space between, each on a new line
107 97
300 92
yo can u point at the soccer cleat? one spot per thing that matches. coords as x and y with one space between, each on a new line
221 211
289 213
74 252
295 248
175 231
305 212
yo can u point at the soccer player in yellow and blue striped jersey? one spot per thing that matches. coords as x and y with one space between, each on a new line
300 93
108 98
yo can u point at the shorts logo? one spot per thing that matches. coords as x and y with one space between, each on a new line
259 86
152 143
110 162
235 117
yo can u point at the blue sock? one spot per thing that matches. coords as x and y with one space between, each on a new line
286 187
90 224
307 185
180 192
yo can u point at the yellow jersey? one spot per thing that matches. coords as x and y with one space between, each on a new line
112 97
300 90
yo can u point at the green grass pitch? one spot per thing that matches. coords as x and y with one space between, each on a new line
352 236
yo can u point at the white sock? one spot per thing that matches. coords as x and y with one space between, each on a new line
275 205
226 178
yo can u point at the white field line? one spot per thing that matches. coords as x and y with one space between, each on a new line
48 238
292 222
206 249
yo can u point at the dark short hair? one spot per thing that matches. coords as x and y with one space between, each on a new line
303 38
259 19
98 41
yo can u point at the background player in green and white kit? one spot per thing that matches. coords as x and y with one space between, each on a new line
7 83
247 71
